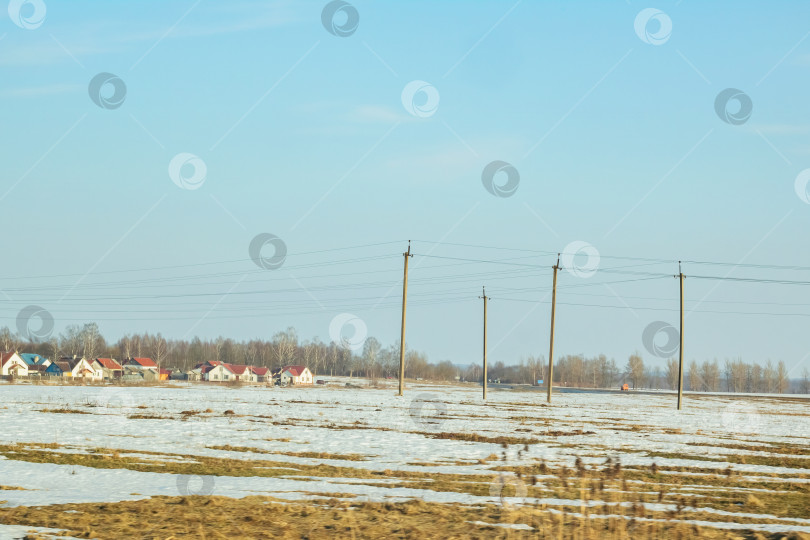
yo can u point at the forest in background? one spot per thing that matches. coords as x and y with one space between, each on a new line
373 360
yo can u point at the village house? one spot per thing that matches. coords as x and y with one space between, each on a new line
296 375
216 371
133 373
79 368
263 374
141 363
12 365
57 369
108 369
190 375
242 373
32 359
37 365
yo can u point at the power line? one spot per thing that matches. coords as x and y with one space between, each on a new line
191 265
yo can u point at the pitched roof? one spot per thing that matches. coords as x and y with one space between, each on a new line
208 363
295 371
205 368
6 357
165 372
73 362
63 366
144 362
237 369
79 362
260 371
109 363
30 358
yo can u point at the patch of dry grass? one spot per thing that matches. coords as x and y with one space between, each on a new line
315 455
266 517
64 411
476 437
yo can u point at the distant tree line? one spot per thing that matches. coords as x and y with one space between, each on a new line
600 372
285 348
375 361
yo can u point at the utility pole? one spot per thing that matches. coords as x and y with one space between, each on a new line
407 255
680 347
550 380
485 339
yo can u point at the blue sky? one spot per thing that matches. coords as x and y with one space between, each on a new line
304 135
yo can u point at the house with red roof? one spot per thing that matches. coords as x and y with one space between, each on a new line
215 371
296 375
107 369
242 373
263 374
141 363
12 365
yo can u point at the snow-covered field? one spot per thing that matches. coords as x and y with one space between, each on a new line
387 432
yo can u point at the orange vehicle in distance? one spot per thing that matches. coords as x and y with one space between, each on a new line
625 387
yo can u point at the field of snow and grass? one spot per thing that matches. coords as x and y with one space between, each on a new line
729 464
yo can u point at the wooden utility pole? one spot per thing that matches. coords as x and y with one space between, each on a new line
550 380
484 296
407 255
680 347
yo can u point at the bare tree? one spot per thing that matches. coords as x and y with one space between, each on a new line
159 349
285 344
71 340
125 346
769 376
635 369
54 346
371 350
710 376
9 340
318 356
137 346
673 371
92 341
694 377
782 378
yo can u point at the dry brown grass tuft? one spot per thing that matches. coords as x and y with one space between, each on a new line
64 411
266 517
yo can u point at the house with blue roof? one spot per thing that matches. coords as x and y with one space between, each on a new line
32 359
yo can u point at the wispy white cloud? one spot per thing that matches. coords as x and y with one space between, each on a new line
37 91
447 163
111 37
44 53
780 129
377 113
